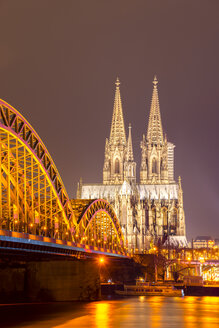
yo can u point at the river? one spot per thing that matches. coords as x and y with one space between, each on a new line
147 312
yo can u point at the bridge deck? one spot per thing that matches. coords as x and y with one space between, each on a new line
18 241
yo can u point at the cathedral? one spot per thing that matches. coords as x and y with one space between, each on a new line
150 211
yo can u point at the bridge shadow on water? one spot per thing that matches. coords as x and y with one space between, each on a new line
38 314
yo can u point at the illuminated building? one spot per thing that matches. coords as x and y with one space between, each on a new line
203 242
216 242
151 210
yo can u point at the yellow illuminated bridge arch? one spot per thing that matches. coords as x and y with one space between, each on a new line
33 198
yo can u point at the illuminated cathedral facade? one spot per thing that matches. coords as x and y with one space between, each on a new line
150 211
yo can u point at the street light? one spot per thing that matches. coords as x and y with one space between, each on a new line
101 260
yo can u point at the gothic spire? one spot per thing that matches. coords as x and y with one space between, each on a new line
155 131
117 133
130 156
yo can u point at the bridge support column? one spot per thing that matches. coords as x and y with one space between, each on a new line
52 281
63 280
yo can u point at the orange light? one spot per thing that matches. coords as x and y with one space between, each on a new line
101 260
201 259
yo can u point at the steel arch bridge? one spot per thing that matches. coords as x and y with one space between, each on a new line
33 199
98 224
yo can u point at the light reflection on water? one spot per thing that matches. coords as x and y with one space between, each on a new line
147 312
102 313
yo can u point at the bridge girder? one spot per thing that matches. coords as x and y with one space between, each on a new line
33 198
98 225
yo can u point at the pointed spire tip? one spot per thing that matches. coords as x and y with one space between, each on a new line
117 132
117 82
155 131
130 156
155 82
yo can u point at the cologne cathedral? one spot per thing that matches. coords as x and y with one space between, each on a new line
150 211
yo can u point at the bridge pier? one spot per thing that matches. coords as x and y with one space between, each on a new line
50 281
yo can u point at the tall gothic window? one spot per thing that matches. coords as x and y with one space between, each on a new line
154 215
164 216
154 166
161 165
174 217
117 170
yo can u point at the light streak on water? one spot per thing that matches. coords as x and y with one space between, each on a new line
139 312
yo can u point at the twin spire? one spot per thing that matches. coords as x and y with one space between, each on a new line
155 130
119 165
119 162
117 133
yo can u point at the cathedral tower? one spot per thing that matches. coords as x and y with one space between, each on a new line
119 162
157 153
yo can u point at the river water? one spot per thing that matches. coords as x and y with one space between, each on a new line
147 312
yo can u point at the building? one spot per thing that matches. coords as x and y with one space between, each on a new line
203 242
150 211
216 242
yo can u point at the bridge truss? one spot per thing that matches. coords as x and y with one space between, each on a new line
33 198
98 224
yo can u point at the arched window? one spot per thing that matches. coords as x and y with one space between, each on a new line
154 166
161 166
164 216
174 217
154 215
117 170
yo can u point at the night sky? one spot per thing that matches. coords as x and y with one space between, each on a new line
58 64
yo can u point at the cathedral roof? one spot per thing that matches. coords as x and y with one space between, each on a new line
117 133
155 130
203 238
176 241
165 191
